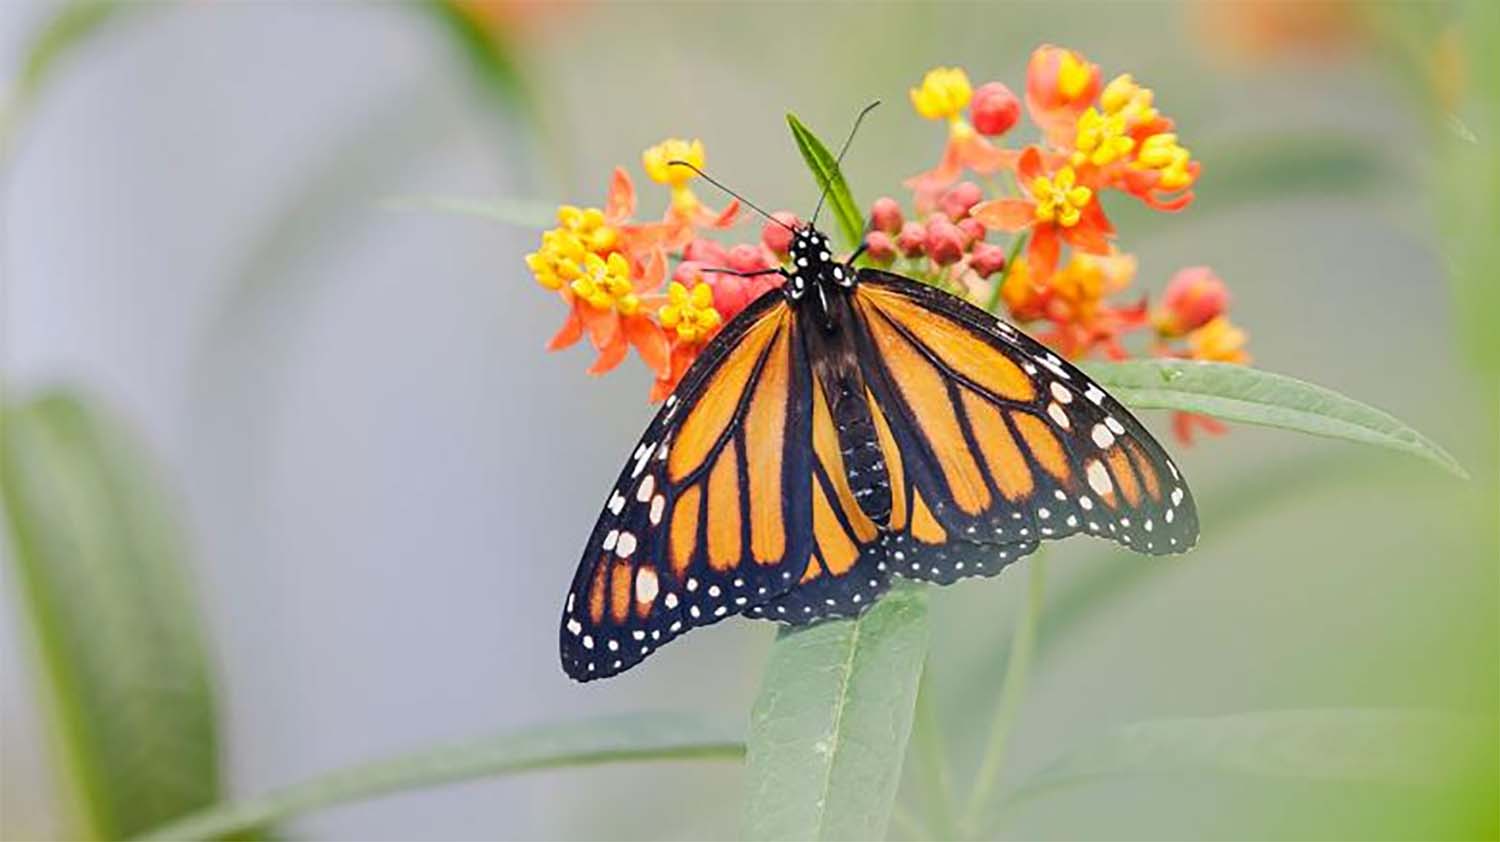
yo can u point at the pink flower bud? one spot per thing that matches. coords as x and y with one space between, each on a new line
973 229
986 259
1194 297
885 214
945 243
912 240
688 273
777 238
707 252
957 200
994 109
880 247
747 258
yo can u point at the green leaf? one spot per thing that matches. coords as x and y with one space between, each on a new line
119 642
825 170
1241 393
828 732
69 26
524 213
614 739
1403 747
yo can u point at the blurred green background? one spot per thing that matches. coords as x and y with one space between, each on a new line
377 482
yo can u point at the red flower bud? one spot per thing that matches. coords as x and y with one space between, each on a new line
973 229
707 252
994 109
747 258
945 243
880 247
957 200
986 259
912 240
1194 297
775 237
885 215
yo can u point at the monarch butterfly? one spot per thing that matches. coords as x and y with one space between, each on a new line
851 426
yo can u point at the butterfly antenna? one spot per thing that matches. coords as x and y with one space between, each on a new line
715 182
845 148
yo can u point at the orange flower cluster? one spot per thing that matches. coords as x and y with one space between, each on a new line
665 288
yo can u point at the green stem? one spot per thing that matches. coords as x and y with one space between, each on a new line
1011 695
993 305
937 788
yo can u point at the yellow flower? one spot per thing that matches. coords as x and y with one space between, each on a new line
1124 97
1162 152
588 225
690 314
1073 74
1060 198
559 260
580 232
1101 140
658 161
605 284
944 94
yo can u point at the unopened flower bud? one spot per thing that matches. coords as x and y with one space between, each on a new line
973 230
945 243
746 258
994 109
957 200
1194 297
986 259
776 237
880 247
885 215
912 241
707 252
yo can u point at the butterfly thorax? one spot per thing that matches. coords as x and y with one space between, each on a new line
815 277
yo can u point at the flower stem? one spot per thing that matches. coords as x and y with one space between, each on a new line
993 305
1011 695
937 789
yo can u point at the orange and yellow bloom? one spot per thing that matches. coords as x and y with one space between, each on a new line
667 287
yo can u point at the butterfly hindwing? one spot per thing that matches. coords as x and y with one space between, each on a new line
708 516
1002 444
846 570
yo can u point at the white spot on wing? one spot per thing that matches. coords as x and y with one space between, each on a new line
1099 477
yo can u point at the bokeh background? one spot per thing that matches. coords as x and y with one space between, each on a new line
384 481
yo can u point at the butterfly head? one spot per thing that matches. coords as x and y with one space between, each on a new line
813 264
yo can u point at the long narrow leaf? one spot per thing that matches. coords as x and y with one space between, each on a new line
1252 396
615 739
524 213
120 645
825 170
828 733
1403 747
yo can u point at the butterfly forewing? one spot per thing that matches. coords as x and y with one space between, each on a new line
705 518
1002 443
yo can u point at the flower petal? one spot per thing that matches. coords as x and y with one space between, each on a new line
1005 214
570 332
650 341
620 204
610 356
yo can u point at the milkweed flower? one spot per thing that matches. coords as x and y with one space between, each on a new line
1056 209
685 206
944 94
1060 86
666 287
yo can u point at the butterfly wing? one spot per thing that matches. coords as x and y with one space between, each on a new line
999 443
847 568
709 515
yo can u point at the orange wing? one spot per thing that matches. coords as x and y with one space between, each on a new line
1000 444
710 514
